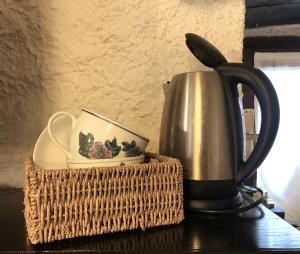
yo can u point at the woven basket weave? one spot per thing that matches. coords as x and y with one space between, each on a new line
68 203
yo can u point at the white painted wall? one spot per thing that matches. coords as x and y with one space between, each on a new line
109 56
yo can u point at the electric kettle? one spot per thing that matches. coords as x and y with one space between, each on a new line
202 125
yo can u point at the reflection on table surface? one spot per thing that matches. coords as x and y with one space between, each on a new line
257 228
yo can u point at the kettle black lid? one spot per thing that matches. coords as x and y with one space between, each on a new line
205 52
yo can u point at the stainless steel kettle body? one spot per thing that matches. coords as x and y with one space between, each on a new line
202 126
197 124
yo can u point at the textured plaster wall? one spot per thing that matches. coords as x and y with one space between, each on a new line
109 56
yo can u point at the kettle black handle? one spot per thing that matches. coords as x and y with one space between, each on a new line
262 87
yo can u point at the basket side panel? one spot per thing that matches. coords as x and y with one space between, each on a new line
31 213
69 203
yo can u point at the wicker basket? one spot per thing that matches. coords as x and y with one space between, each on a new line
68 203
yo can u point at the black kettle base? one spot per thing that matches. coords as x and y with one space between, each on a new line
226 203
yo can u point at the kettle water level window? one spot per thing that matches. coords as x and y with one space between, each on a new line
280 172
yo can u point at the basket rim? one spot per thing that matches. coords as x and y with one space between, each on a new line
162 160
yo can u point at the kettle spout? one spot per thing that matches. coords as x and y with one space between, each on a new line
166 87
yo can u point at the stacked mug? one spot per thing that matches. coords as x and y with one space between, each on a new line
96 141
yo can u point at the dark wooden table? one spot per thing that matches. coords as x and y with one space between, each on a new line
258 230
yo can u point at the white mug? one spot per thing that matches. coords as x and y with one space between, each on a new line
96 137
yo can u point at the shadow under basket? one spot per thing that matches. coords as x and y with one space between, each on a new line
69 203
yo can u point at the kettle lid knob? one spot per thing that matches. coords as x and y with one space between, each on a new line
204 51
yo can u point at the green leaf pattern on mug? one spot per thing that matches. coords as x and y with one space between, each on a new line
113 147
98 150
131 149
84 142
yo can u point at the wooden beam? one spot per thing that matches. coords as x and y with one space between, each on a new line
272 44
248 98
276 14
260 3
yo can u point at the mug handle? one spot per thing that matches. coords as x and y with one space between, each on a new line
52 133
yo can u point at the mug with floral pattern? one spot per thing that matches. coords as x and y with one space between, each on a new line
96 137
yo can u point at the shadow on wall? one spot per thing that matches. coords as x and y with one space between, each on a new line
21 90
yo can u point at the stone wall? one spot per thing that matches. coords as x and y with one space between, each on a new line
109 56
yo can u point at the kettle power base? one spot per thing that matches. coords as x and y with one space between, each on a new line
227 203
